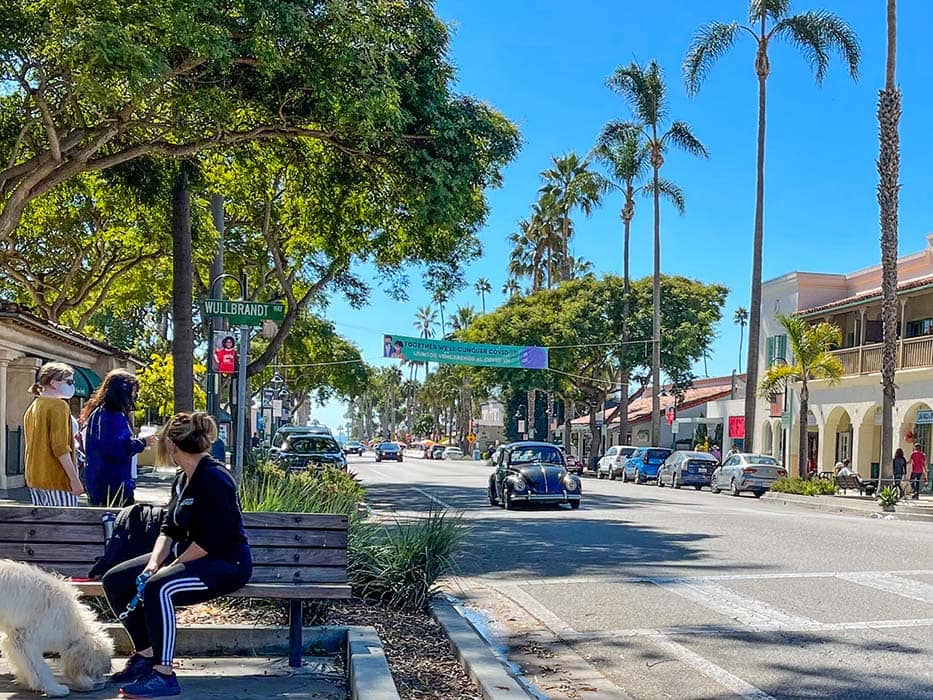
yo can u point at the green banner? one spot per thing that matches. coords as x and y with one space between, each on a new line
409 349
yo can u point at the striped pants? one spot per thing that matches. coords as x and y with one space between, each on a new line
152 624
48 497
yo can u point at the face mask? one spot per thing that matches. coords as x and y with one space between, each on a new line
66 391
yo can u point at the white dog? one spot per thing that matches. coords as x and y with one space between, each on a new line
39 614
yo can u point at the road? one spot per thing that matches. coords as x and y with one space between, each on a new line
656 593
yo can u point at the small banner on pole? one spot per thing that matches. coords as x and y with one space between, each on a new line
410 349
224 352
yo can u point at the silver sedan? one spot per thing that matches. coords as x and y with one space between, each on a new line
747 472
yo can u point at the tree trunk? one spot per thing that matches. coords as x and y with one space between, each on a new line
754 321
741 343
182 295
594 436
656 334
530 418
889 114
802 446
627 214
565 249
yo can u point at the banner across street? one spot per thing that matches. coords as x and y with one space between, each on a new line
410 349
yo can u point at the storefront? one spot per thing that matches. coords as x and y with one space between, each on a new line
26 342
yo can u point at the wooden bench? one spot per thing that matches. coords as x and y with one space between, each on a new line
296 556
851 481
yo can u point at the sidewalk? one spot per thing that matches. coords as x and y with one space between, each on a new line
225 678
853 504
151 487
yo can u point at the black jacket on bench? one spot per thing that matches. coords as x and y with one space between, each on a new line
206 512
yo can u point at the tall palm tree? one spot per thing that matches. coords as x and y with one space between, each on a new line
626 156
463 318
644 90
741 319
571 184
483 287
440 297
889 165
811 347
816 34
511 287
425 323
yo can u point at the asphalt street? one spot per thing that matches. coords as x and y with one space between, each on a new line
658 593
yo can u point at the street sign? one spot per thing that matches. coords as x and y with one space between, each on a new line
471 438
276 408
924 418
244 313
786 419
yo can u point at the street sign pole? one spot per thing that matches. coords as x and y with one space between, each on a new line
242 381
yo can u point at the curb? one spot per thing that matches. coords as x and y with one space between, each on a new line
491 676
368 671
812 503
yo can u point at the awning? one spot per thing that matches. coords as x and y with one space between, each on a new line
86 381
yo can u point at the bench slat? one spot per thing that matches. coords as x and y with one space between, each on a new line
300 574
295 521
298 538
254 590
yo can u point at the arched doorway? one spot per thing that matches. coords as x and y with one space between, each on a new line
767 440
917 427
838 436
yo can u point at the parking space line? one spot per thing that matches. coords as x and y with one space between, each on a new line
726 602
436 500
890 583
716 673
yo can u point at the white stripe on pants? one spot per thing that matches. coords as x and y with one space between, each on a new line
50 497
168 612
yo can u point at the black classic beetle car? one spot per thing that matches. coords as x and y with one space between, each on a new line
532 472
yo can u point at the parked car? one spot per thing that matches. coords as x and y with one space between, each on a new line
303 451
687 468
452 452
533 472
388 450
644 463
747 472
610 464
354 447
574 465
437 452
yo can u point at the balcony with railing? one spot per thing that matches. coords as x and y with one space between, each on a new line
912 353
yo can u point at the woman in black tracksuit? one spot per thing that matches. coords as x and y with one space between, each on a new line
201 554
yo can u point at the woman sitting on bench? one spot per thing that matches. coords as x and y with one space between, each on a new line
202 536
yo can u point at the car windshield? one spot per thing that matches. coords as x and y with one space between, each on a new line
657 455
306 444
536 454
388 447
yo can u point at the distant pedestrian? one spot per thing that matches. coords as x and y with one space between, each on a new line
716 452
900 469
108 440
918 470
51 473
256 442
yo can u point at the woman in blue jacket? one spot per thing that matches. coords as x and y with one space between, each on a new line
109 444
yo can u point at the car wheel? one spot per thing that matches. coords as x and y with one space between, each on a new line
698 487
713 488
734 488
575 504
507 499
637 477
612 474
660 481
674 482
624 476
599 474
759 494
491 492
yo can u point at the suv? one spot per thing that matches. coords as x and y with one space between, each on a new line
611 463
644 464
388 450
354 447
303 451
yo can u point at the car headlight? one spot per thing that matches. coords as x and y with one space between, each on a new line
571 484
518 483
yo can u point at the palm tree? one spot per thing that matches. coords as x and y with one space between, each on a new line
741 319
440 297
811 348
483 287
511 287
425 323
644 90
627 158
889 165
463 318
815 34
571 184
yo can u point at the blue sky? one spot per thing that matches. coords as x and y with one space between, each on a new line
544 65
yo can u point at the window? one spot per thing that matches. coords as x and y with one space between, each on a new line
923 326
777 347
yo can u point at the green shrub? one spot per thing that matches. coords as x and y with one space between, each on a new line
803 487
398 566
271 489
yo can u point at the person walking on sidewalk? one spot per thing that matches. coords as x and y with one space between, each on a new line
918 470
202 553
899 467
51 474
108 440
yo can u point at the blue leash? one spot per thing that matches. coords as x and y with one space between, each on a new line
138 598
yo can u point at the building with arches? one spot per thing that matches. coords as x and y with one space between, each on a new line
844 419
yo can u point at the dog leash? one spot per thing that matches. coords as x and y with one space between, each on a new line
138 598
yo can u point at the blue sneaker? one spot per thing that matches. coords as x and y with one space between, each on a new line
152 685
136 667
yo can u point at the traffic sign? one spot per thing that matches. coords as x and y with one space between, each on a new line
471 438
244 313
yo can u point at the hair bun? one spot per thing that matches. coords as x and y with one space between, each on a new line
203 423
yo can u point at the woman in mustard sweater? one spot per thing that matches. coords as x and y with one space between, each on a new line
51 474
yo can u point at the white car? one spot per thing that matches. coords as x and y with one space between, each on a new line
452 453
611 463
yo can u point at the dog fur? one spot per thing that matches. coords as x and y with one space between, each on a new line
40 614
